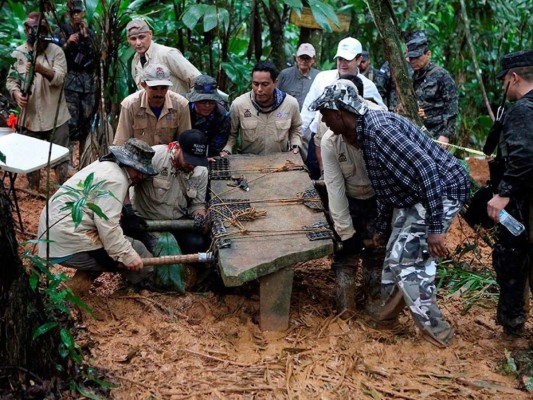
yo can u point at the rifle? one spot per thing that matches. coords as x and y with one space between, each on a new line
494 134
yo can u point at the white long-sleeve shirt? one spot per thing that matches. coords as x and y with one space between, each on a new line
323 79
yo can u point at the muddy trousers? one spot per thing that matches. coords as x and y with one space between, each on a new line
409 271
363 214
98 261
512 260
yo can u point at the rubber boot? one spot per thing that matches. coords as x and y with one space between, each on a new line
345 290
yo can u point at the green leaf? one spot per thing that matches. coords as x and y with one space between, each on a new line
77 211
86 393
294 4
210 18
323 14
66 338
192 15
97 210
34 280
43 329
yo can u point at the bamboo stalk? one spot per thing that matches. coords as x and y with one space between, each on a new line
179 259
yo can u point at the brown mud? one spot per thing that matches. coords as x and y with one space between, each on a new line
207 344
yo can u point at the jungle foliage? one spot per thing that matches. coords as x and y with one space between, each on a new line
225 38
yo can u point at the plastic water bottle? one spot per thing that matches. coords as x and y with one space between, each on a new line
514 226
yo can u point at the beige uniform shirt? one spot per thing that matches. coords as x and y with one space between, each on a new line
182 72
138 120
93 232
171 194
46 96
345 176
262 133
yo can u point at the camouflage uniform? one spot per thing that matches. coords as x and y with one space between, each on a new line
437 95
409 270
80 83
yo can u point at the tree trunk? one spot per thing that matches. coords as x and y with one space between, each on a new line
21 313
389 31
275 24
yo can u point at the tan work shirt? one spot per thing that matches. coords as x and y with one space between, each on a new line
265 133
345 176
46 96
171 194
93 232
138 120
182 72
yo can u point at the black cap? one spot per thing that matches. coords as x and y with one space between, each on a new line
517 59
193 143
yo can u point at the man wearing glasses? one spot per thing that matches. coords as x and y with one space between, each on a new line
297 80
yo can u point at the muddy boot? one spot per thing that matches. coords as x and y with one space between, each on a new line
62 172
371 288
440 335
345 290
81 283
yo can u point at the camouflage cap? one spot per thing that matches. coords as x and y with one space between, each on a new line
517 59
137 26
135 154
340 96
156 75
416 47
205 88
76 5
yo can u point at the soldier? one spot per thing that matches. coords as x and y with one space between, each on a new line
77 41
98 244
154 114
297 80
147 52
417 183
378 76
434 88
512 257
267 118
208 113
44 109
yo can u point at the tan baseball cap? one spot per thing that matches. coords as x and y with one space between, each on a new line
156 75
136 26
306 49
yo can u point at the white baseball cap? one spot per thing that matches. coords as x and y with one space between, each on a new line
306 49
349 48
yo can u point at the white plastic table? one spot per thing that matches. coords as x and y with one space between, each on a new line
24 154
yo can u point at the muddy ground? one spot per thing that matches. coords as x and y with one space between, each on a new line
207 344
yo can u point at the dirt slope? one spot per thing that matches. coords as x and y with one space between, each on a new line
207 345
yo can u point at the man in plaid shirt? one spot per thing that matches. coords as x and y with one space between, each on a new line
419 187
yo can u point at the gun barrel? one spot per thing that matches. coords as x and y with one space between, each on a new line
171 225
179 259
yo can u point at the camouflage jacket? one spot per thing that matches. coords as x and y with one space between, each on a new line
437 95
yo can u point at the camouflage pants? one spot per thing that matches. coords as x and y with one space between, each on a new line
80 98
408 276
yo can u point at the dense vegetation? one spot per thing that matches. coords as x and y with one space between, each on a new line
225 38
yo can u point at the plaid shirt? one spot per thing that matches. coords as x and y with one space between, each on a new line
406 167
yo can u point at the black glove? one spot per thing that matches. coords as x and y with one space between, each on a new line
131 222
351 246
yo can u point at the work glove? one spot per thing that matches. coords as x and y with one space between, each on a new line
351 246
131 222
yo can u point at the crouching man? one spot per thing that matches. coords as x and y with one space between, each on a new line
179 190
97 243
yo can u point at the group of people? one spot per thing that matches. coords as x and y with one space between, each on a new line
392 192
